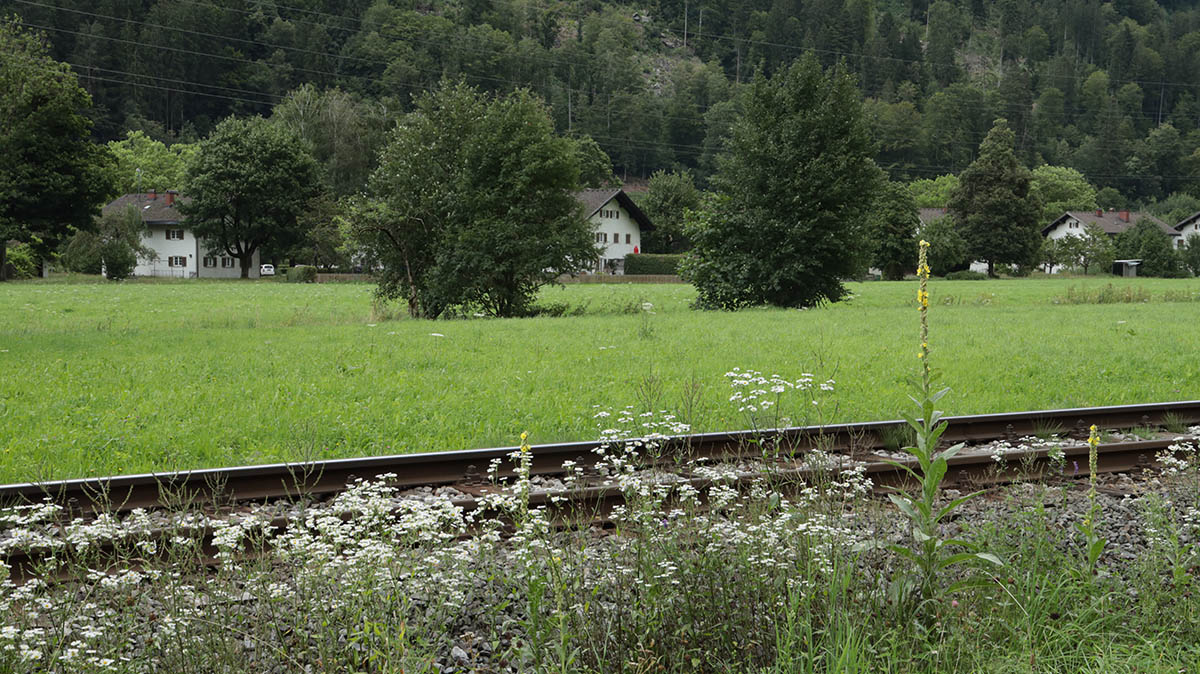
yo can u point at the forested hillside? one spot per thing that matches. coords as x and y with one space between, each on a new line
1108 88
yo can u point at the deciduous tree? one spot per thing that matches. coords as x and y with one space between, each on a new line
1059 189
894 224
472 205
992 204
670 195
790 222
249 183
53 178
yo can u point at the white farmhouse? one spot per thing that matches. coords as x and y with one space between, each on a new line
1187 227
618 223
1073 223
177 252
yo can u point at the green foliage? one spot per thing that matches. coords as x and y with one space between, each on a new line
249 183
595 168
652 264
933 192
472 205
966 275
1059 189
894 223
112 249
1094 252
947 247
669 197
789 221
53 178
1190 253
144 164
1175 208
302 273
999 218
343 131
22 260
1147 242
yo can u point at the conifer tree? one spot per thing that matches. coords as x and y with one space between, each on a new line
993 206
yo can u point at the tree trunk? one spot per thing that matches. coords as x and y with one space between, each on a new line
3 261
991 269
245 261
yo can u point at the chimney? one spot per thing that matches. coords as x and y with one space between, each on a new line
1123 215
171 197
152 194
1099 212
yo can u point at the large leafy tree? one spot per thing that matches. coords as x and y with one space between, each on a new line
670 195
1059 189
53 178
993 205
472 205
249 182
794 191
147 164
893 232
1147 242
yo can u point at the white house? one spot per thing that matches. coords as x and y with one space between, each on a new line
1074 223
1186 228
618 223
177 252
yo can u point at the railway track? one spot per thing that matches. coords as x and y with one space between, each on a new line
746 455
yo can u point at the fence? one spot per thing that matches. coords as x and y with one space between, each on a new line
621 278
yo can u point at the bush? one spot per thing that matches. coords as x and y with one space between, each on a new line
20 258
302 273
652 264
966 275
119 260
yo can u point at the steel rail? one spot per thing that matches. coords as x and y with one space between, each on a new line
594 503
283 480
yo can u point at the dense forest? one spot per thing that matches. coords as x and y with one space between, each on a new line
1111 89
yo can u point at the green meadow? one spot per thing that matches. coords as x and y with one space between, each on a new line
99 378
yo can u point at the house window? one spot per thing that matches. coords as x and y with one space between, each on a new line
628 238
616 237
210 261
175 234
176 261
227 263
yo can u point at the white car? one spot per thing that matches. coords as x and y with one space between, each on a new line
266 270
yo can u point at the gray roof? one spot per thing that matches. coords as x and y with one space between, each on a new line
151 206
1112 222
594 199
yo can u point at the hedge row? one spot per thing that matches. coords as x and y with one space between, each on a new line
652 264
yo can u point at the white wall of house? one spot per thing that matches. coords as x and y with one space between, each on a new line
1068 227
178 254
220 265
618 233
169 253
1186 231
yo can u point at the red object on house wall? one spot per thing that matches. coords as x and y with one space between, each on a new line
635 250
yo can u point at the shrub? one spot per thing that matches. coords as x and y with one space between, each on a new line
966 275
119 260
652 264
23 263
302 273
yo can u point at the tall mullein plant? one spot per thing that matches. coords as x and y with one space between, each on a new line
929 553
1093 543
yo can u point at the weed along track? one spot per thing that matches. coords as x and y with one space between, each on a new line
572 480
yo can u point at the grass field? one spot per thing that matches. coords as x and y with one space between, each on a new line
107 378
